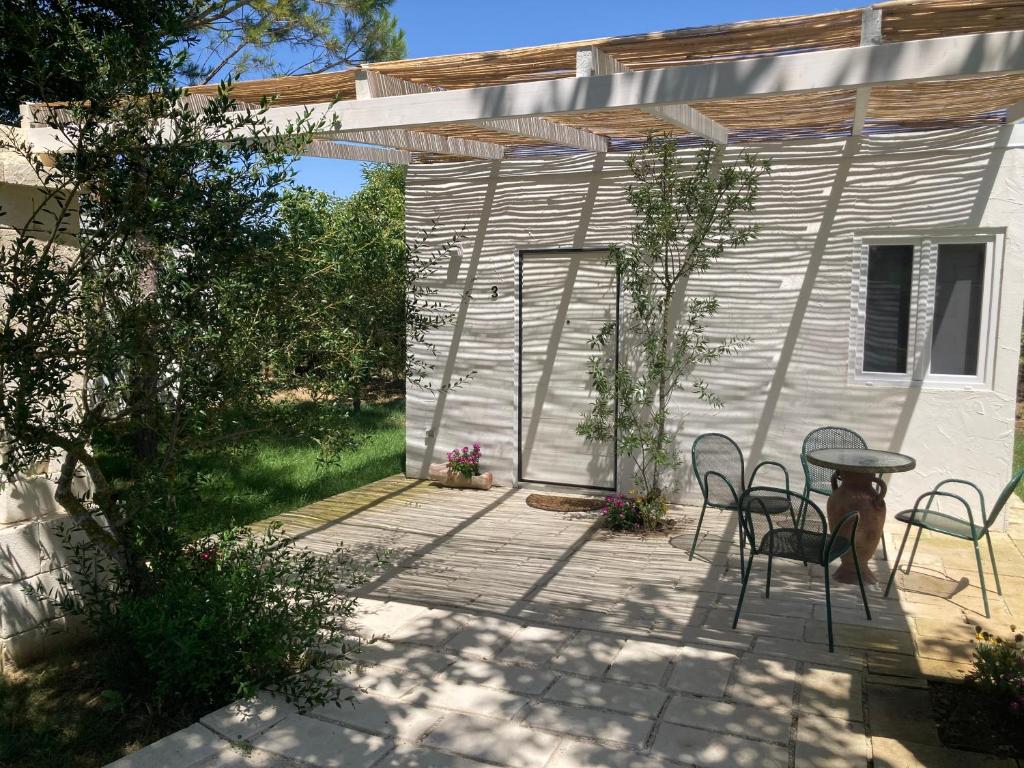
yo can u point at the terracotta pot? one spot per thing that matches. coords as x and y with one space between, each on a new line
864 493
439 474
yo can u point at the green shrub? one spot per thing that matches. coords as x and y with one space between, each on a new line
633 513
198 625
998 667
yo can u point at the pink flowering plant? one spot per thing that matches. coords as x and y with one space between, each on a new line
632 512
998 667
465 462
622 512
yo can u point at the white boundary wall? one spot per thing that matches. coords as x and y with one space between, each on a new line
33 552
792 291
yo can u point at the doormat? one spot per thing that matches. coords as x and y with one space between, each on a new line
564 503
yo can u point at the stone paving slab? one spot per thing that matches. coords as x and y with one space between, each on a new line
614 697
493 741
590 723
706 748
727 718
509 636
186 747
326 745
243 757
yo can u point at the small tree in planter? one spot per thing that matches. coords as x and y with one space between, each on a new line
688 213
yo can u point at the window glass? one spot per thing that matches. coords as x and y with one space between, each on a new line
956 323
887 322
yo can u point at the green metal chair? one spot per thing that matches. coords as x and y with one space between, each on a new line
767 529
717 462
968 529
819 479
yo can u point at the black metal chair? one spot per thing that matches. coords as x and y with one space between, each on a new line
957 527
718 464
767 527
819 479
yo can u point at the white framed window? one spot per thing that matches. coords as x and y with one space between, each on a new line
924 308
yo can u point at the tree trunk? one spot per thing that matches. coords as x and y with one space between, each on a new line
145 380
662 387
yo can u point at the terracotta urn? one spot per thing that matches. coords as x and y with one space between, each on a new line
863 493
439 473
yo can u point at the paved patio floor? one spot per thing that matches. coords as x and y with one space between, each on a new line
513 636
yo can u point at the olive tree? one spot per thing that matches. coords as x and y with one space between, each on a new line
134 298
689 210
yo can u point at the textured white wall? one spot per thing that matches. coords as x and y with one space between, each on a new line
790 292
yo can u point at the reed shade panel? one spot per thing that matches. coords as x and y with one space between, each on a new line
790 110
618 123
920 19
469 131
544 62
944 99
646 51
907 104
292 90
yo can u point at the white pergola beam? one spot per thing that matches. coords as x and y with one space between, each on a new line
940 58
592 61
419 141
870 34
860 110
692 121
377 85
871 26
373 84
547 131
844 68
336 151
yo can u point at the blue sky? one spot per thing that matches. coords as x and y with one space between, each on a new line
435 27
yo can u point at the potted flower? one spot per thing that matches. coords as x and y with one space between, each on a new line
462 470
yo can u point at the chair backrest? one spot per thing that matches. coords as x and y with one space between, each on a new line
798 523
1004 497
819 479
715 452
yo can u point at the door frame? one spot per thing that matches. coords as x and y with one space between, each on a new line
520 256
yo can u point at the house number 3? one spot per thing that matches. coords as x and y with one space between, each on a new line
494 293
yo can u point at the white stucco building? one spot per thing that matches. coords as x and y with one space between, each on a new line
916 237
884 293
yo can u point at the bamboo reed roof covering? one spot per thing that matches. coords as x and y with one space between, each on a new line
905 105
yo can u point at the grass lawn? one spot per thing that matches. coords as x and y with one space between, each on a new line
279 469
277 466
56 713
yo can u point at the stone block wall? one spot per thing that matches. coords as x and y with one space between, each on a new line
32 555
33 558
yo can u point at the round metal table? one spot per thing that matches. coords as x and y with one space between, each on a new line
857 486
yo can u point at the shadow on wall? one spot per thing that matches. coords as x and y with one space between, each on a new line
790 291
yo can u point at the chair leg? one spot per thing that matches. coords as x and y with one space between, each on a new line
995 571
896 563
828 609
981 580
768 581
913 551
696 534
743 590
885 550
860 583
803 510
